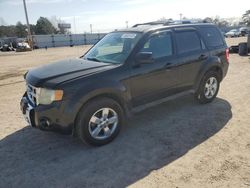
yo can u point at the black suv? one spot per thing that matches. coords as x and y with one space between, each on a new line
91 96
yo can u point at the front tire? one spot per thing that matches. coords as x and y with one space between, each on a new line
208 88
99 121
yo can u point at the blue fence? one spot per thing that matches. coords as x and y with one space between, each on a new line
42 41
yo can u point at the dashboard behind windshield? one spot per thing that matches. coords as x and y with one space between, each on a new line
114 47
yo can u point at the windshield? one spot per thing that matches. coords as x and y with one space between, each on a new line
114 47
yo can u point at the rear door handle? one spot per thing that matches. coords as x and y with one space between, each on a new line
168 65
203 56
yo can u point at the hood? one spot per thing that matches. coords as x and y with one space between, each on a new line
59 72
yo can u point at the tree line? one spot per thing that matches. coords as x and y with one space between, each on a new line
42 27
245 21
246 18
221 23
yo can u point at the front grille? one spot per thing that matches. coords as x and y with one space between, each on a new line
31 93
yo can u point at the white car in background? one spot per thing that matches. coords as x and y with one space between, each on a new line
233 33
244 31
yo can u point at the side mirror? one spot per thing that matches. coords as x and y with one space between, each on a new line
144 58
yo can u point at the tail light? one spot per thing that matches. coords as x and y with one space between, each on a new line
227 55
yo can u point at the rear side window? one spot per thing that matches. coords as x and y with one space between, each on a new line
212 37
160 45
187 41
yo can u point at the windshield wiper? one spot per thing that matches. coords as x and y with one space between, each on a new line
97 60
93 59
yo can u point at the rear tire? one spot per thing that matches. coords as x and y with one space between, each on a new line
208 88
243 50
99 121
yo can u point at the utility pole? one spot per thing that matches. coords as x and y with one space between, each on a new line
28 25
180 16
75 24
90 28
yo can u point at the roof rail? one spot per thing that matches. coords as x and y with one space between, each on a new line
170 22
153 23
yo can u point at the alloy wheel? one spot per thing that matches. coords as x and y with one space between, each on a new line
103 123
211 87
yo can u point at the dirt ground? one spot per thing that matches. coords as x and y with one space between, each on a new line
176 144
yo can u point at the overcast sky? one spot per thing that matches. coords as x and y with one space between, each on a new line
107 15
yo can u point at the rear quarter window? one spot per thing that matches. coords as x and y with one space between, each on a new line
212 37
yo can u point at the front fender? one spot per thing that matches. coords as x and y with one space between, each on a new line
92 90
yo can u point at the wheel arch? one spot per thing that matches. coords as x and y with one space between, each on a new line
111 95
214 68
217 69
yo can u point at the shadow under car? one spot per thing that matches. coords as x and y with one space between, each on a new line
151 140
